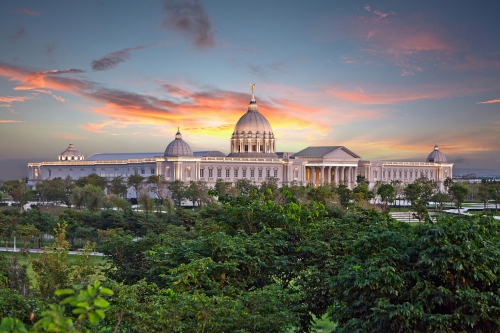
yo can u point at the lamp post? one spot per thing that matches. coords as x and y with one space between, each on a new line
409 211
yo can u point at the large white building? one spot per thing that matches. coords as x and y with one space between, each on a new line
252 156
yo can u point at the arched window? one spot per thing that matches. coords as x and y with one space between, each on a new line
235 172
188 171
244 172
219 172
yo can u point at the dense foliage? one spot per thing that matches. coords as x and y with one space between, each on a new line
262 259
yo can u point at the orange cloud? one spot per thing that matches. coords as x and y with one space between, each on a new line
4 121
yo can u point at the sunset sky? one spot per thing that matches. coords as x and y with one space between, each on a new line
386 79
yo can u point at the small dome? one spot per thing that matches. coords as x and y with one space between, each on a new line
253 121
71 154
178 147
436 156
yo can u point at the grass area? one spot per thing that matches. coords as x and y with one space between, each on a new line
26 260
476 212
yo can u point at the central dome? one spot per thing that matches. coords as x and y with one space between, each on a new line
253 121
253 135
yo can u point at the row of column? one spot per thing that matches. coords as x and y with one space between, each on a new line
342 175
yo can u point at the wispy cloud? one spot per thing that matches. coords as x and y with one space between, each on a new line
113 59
17 35
391 95
412 42
5 121
190 19
491 101
26 11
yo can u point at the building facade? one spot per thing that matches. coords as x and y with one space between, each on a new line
252 156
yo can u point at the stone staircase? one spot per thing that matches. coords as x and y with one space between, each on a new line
404 216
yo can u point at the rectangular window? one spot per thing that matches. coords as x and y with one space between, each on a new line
244 173
275 173
254 148
152 171
268 173
219 173
252 173
143 171
262 148
235 173
246 147
227 173
210 173
260 173
202 173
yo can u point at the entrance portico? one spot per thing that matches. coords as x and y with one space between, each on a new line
330 164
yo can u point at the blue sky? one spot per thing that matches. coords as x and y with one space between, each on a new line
386 79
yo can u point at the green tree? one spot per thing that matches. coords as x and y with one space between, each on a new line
135 181
440 198
19 192
440 277
117 186
178 191
159 186
27 232
92 179
387 194
244 186
197 192
458 193
93 197
345 194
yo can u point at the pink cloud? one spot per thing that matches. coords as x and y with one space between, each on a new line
492 101
96 128
391 95
11 99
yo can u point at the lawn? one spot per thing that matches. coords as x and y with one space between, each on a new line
97 260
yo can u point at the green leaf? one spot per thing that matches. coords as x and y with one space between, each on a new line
106 291
93 317
60 292
100 313
79 310
101 302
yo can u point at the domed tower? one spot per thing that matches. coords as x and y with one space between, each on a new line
253 135
71 154
436 156
178 147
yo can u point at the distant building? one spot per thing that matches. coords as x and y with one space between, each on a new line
252 156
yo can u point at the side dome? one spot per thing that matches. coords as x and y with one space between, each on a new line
436 156
71 154
178 147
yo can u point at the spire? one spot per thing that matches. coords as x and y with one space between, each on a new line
436 147
252 88
178 135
